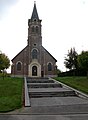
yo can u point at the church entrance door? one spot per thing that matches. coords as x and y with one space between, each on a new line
34 71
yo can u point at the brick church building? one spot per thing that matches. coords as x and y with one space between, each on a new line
34 60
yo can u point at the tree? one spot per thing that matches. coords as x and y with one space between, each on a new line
83 61
58 71
71 59
4 62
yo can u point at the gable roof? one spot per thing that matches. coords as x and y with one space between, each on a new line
27 46
19 52
49 54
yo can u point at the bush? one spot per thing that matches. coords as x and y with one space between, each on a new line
79 72
4 75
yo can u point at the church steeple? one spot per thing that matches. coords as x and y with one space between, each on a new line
34 13
34 29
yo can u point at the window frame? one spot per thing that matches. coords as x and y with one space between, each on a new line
34 54
19 66
33 29
37 29
49 66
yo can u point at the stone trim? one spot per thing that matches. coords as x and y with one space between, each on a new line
34 63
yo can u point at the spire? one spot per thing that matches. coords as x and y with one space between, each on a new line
34 13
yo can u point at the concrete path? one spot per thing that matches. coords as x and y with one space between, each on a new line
45 117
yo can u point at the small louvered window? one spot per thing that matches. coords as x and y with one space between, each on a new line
36 29
33 29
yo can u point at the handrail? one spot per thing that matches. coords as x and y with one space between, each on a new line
27 100
79 93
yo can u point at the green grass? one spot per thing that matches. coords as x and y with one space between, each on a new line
10 93
79 83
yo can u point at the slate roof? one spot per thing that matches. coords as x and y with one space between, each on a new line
26 47
19 53
34 13
49 54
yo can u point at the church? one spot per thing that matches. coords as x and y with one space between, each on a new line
34 60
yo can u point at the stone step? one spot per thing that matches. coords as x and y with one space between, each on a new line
51 94
37 78
39 81
43 85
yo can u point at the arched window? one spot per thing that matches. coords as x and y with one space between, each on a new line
49 67
19 66
37 29
33 29
34 54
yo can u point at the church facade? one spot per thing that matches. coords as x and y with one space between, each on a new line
34 60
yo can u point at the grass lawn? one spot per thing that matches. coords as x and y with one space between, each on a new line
10 93
79 83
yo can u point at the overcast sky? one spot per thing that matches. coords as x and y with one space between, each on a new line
64 25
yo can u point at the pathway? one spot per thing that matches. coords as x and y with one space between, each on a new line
50 100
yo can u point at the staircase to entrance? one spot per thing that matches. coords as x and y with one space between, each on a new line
47 96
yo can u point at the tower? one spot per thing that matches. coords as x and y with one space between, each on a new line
34 43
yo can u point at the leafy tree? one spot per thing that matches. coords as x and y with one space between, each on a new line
58 71
4 62
71 59
83 60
